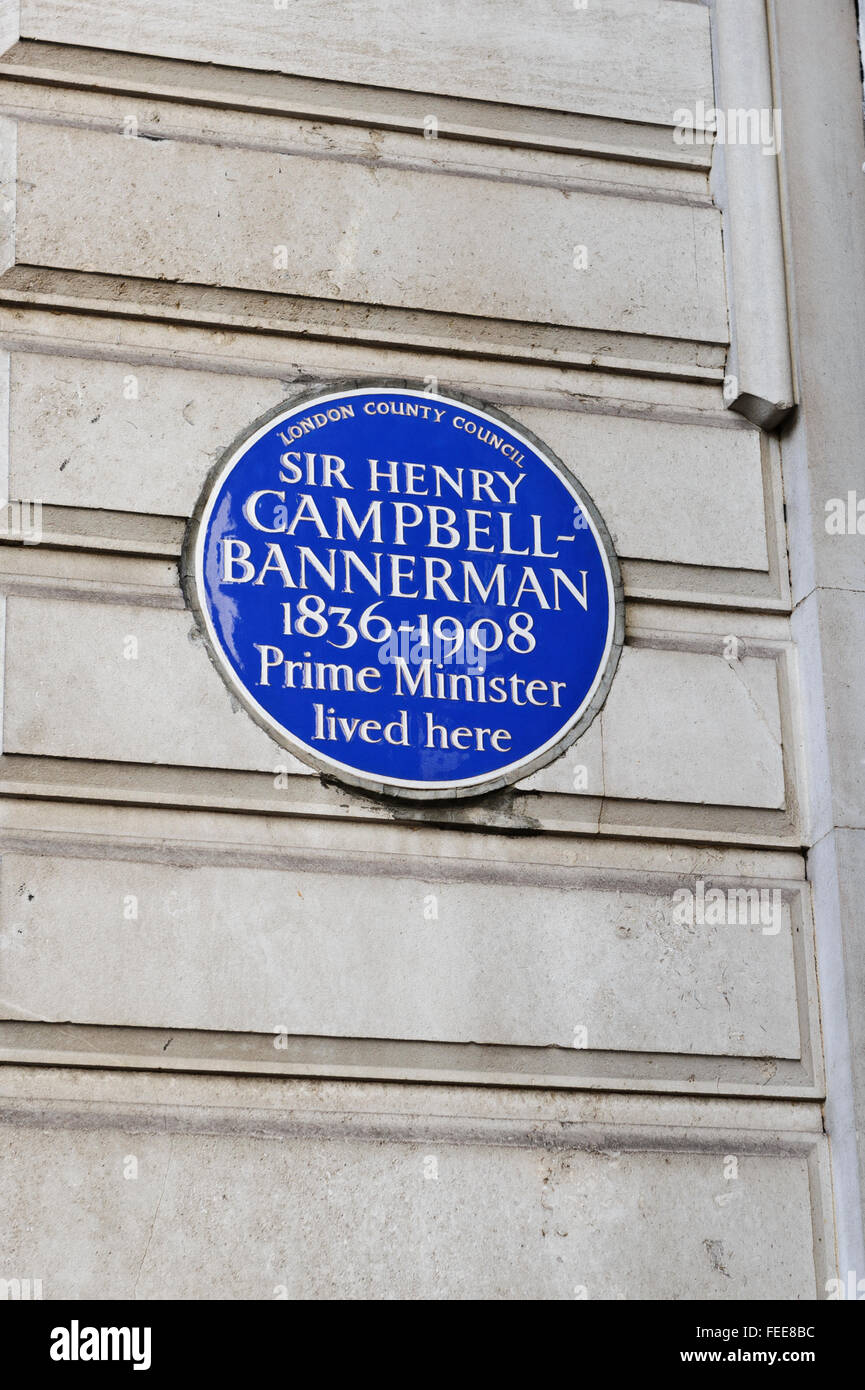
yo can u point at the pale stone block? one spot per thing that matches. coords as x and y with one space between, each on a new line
806 629
635 59
251 950
849 847
8 188
677 726
830 626
338 229
122 436
685 493
80 695
684 726
10 23
681 493
5 444
836 868
826 504
842 632
579 769
245 1215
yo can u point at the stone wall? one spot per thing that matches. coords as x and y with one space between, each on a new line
267 1037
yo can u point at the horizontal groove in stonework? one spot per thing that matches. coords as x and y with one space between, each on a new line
133 538
180 1050
276 94
304 794
161 125
374 325
123 533
295 363
194 837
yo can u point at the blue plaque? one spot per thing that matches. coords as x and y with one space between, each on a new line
407 590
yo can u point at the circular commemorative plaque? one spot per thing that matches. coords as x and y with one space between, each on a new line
407 590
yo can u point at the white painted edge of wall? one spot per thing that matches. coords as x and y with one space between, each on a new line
745 182
10 23
5 458
823 93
